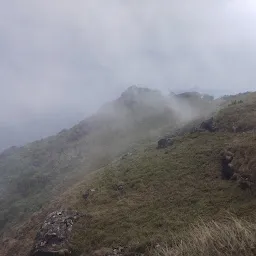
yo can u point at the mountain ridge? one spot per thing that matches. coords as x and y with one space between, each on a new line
30 172
159 187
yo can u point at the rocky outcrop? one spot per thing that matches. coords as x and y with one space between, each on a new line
164 143
231 171
53 236
208 125
227 170
245 183
199 125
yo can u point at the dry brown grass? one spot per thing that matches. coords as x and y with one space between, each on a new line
231 237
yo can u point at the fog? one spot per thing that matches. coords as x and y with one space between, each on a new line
61 60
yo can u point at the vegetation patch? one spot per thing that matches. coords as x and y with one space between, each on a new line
164 191
231 237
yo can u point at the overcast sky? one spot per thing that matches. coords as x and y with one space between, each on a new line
69 57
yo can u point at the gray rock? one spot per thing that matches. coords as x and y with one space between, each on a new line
208 125
53 236
164 143
227 170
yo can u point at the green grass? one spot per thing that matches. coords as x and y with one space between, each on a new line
165 191
163 194
32 175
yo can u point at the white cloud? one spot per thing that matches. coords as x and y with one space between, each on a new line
59 55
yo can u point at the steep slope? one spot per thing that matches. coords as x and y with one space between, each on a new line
142 200
166 191
32 174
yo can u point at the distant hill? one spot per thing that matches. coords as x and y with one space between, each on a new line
141 198
21 132
32 174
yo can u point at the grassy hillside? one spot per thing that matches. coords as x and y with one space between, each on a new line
152 198
33 174
164 192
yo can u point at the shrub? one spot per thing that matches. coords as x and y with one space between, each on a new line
234 102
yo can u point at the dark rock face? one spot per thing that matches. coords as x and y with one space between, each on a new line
208 125
164 143
227 171
54 234
230 171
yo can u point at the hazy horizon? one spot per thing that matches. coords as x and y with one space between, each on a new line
61 60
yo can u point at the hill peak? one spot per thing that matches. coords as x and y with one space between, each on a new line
136 90
135 93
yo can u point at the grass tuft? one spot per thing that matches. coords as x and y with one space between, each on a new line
230 237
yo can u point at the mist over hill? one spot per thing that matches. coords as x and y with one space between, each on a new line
30 174
170 187
41 126
127 128
35 126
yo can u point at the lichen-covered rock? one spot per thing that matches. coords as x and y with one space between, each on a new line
53 236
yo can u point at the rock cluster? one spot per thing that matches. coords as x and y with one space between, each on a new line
229 172
164 143
208 125
53 236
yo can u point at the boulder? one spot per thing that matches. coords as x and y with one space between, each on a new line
53 236
227 170
208 125
164 142
232 170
